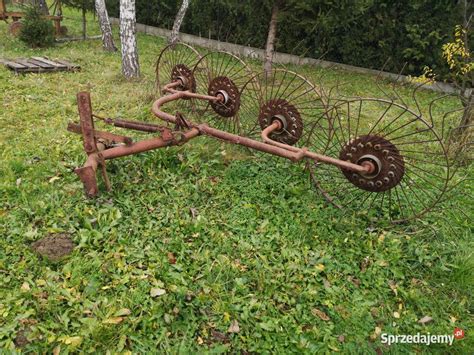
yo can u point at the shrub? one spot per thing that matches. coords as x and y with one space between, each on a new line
36 31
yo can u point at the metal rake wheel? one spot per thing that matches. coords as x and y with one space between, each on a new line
291 99
176 62
412 166
222 73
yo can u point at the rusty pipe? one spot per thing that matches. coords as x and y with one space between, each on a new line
192 95
94 159
364 168
268 145
148 144
205 129
171 85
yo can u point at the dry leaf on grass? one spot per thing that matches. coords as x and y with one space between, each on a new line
234 327
318 313
171 258
114 320
425 320
123 312
156 292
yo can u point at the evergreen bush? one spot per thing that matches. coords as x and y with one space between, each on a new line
36 31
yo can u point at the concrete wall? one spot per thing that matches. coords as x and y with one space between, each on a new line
281 58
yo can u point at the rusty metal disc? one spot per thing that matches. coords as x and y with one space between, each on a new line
292 99
222 74
287 114
230 92
176 60
182 73
385 157
412 169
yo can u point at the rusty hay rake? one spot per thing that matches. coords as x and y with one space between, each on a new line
366 153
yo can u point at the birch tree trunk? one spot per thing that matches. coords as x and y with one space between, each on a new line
177 22
107 39
270 46
130 65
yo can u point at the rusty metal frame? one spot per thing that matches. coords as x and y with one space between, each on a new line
101 146
55 8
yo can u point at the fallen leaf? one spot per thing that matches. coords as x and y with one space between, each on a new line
364 264
425 320
200 341
18 182
57 350
171 258
354 280
382 263
25 287
194 212
381 237
343 312
374 311
341 338
123 312
218 336
214 180
234 327
320 314
396 315
53 179
155 292
74 341
376 333
168 318
114 320
393 287
320 267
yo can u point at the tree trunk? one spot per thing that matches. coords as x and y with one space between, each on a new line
107 39
130 65
177 22
43 7
84 23
467 119
270 46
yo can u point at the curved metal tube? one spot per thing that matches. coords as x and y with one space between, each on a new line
268 145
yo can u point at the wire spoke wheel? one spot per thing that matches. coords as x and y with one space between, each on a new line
411 163
176 62
225 74
293 100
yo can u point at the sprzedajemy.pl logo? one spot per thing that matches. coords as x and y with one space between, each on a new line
419 338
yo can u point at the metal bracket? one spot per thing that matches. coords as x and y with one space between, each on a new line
87 174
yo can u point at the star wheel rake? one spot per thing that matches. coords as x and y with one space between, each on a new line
412 169
290 99
371 155
223 74
175 64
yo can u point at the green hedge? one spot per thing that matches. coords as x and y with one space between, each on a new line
368 33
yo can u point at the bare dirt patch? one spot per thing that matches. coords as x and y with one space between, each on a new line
54 247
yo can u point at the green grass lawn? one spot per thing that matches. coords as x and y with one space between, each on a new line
194 240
